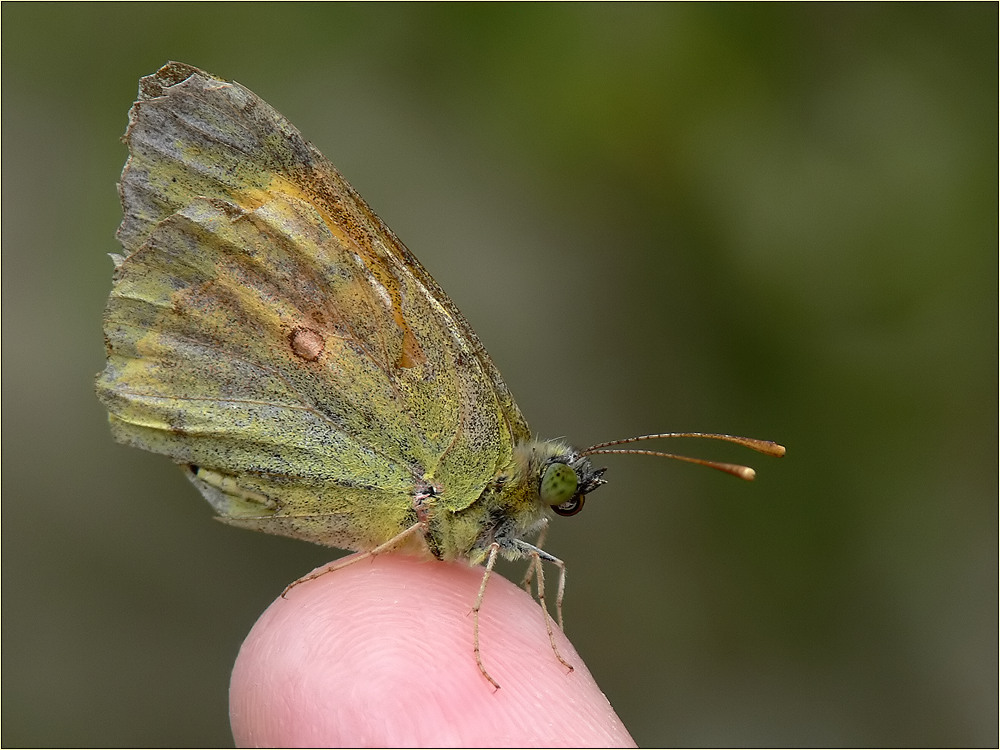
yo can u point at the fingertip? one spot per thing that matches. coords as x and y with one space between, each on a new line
380 653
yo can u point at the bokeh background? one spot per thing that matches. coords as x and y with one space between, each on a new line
775 220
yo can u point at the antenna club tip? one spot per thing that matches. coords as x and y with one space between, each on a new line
767 447
746 473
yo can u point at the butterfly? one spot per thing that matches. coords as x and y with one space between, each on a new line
267 332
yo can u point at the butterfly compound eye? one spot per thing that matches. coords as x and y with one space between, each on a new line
558 485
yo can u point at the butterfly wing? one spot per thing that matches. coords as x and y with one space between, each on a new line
268 329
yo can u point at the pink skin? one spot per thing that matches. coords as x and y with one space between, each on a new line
379 654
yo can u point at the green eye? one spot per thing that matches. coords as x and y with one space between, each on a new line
558 484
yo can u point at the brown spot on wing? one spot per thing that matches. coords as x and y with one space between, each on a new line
306 344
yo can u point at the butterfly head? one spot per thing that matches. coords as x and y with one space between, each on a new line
564 479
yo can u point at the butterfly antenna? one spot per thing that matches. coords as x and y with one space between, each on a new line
766 447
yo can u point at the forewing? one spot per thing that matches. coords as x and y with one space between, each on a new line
266 325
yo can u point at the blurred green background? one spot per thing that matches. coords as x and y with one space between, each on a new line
774 220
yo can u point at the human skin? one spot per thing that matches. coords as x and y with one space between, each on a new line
380 654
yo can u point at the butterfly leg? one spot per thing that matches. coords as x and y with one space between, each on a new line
540 590
537 555
386 546
529 574
560 591
490 562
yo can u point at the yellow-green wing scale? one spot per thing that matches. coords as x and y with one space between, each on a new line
267 328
